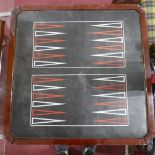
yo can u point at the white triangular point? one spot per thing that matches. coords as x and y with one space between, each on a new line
36 120
46 48
112 95
110 24
45 87
115 40
47 63
46 33
113 55
112 78
112 112
45 104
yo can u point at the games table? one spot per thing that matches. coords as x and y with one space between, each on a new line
78 75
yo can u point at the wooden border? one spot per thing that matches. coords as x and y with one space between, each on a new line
9 73
1 33
126 1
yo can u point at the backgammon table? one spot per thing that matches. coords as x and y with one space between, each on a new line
78 75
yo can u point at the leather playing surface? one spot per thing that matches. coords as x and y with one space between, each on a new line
79 74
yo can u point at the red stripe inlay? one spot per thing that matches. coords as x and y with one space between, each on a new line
41 95
40 112
46 41
47 56
111 47
109 32
111 87
116 63
36 80
122 121
47 26
112 104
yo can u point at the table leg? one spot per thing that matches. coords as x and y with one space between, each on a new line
62 149
89 150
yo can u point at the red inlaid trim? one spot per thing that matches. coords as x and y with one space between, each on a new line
111 87
112 104
36 80
121 121
47 26
41 95
109 32
115 47
46 41
47 56
41 112
115 63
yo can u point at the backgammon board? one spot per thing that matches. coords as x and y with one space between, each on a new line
79 74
